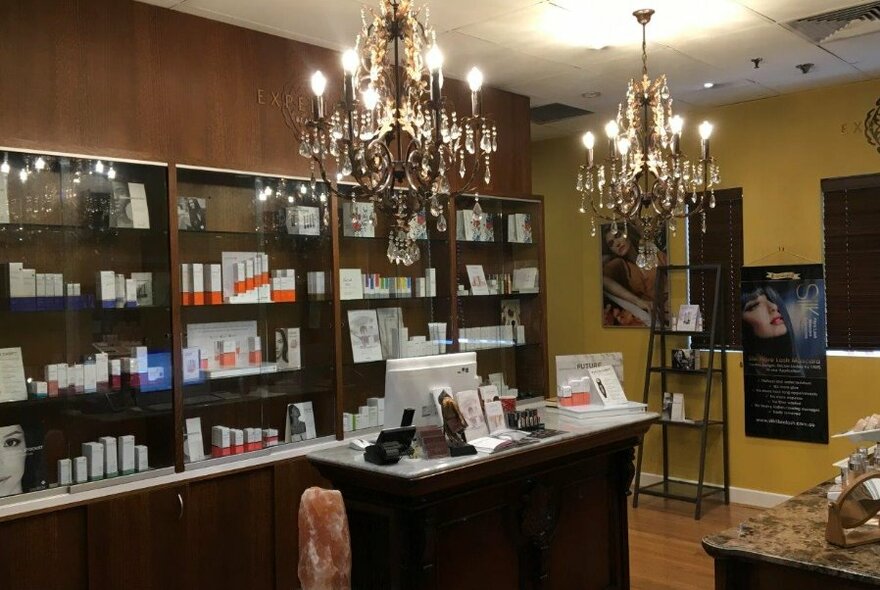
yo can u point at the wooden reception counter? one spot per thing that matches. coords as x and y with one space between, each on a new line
551 515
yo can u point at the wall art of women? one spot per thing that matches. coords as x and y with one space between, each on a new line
627 290
21 460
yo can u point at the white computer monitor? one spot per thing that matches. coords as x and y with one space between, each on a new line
408 384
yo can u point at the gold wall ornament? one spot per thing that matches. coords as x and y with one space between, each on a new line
646 180
394 129
872 126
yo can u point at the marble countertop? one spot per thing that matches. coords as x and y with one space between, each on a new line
413 469
793 534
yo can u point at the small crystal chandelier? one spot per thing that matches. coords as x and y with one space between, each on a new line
645 180
393 131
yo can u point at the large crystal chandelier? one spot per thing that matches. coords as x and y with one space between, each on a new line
393 131
645 180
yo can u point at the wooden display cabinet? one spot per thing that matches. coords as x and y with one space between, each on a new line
505 320
404 300
221 213
68 218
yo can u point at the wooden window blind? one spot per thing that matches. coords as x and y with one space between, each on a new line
722 243
852 261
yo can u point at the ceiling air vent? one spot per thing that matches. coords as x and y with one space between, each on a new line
555 111
839 24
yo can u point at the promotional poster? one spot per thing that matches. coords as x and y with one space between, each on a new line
784 342
628 291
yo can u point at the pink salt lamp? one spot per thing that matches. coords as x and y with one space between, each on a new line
324 543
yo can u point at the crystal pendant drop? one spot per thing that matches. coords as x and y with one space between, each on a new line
592 228
488 176
712 199
304 149
579 187
486 142
478 211
435 207
583 206
703 222
441 223
469 142
461 168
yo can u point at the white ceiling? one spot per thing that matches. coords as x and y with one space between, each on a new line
548 49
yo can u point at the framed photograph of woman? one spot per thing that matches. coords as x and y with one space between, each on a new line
22 467
627 290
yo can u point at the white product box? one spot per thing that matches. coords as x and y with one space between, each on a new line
105 284
102 370
94 454
119 290
65 472
80 470
63 378
186 284
51 375
373 413
125 451
131 293
213 284
198 283
90 378
110 456
79 378
191 365
348 422
141 458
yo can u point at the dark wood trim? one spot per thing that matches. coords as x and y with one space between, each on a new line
176 320
333 203
843 183
542 282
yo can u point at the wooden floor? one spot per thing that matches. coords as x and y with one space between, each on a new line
664 540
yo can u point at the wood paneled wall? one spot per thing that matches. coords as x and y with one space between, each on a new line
121 78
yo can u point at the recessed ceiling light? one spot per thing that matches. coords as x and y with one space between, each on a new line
708 84
591 94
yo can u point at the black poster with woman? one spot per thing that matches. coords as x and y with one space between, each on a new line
784 364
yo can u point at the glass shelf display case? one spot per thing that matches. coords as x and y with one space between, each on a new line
499 286
85 321
388 311
256 312
157 317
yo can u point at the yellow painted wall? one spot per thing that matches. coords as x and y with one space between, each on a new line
777 150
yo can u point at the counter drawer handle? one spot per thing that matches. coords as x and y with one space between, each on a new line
180 502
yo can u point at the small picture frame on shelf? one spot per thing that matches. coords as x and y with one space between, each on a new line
192 214
689 319
300 422
685 359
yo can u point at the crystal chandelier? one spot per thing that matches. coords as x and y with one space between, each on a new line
645 180
393 131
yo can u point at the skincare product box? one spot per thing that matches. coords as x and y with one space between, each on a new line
186 284
141 458
236 436
90 378
213 284
379 404
110 456
316 285
80 470
105 283
270 437
226 353
65 472
51 375
221 444
120 291
348 422
198 283
94 454
116 374
255 350
125 454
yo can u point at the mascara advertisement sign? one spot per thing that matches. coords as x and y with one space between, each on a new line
784 343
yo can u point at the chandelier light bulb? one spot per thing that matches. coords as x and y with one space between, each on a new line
611 129
370 98
475 79
623 146
705 130
319 83
589 140
111 172
40 164
4 167
434 59
99 167
350 61
676 124
23 175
